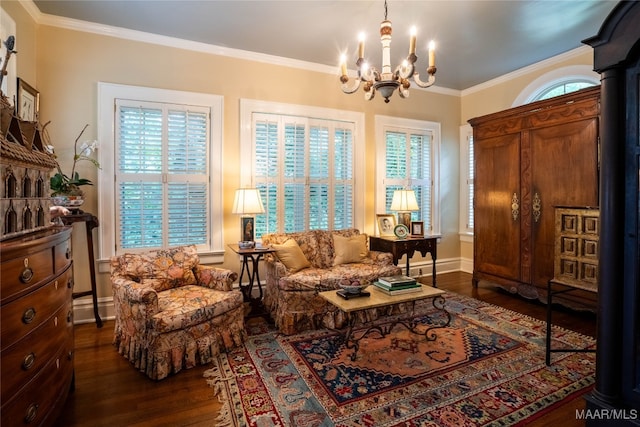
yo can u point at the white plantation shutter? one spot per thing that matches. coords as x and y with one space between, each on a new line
343 176
266 170
408 164
162 175
304 170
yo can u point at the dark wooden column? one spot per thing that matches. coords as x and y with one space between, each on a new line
611 262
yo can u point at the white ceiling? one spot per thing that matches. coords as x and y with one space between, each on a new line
477 40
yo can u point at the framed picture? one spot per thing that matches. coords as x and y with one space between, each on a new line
28 102
386 224
247 228
404 218
417 228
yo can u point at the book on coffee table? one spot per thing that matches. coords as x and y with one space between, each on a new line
400 280
416 287
347 295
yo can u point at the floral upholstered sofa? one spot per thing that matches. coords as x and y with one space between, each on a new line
308 262
173 313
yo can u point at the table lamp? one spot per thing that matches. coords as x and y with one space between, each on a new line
247 203
404 202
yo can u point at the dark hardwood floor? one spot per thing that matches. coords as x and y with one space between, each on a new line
110 392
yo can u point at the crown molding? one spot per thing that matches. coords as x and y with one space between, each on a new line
140 36
554 60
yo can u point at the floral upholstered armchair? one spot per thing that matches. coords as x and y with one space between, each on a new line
173 313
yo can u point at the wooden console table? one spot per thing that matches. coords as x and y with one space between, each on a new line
91 222
408 246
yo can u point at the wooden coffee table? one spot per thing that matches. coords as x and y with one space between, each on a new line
379 298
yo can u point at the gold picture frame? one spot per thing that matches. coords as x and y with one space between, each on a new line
386 224
28 101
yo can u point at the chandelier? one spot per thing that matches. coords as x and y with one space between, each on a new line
386 82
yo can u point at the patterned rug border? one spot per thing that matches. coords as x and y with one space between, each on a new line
528 331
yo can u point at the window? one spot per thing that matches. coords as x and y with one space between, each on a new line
163 159
562 88
408 157
558 82
303 161
162 183
466 179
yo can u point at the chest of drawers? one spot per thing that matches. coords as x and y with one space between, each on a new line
36 326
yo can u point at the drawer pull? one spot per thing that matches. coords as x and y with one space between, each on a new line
69 316
68 253
27 273
28 361
70 283
29 315
31 414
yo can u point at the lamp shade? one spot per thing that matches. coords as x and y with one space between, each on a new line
404 201
247 202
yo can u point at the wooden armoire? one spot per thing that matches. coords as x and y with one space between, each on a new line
617 59
528 160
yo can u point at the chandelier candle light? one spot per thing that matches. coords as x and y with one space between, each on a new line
386 82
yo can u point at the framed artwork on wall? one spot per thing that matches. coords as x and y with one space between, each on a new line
386 224
28 102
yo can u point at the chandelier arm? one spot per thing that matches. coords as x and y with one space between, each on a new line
370 75
370 94
429 82
349 90
405 71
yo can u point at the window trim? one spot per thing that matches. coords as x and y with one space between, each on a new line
465 231
247 154
107 95
382 123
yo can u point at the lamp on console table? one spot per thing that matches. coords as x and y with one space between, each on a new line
247 203
404 202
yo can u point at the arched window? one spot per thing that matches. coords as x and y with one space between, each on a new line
558 82
562 88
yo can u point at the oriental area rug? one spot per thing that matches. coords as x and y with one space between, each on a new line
486 368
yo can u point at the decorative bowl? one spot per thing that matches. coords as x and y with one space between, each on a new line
68 201
248 244
353 286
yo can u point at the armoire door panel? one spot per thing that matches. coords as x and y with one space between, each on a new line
564 172
497 222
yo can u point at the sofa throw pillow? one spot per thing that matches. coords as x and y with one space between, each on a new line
350 249
290 254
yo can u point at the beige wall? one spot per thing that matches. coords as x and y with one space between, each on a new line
66 65
69 64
